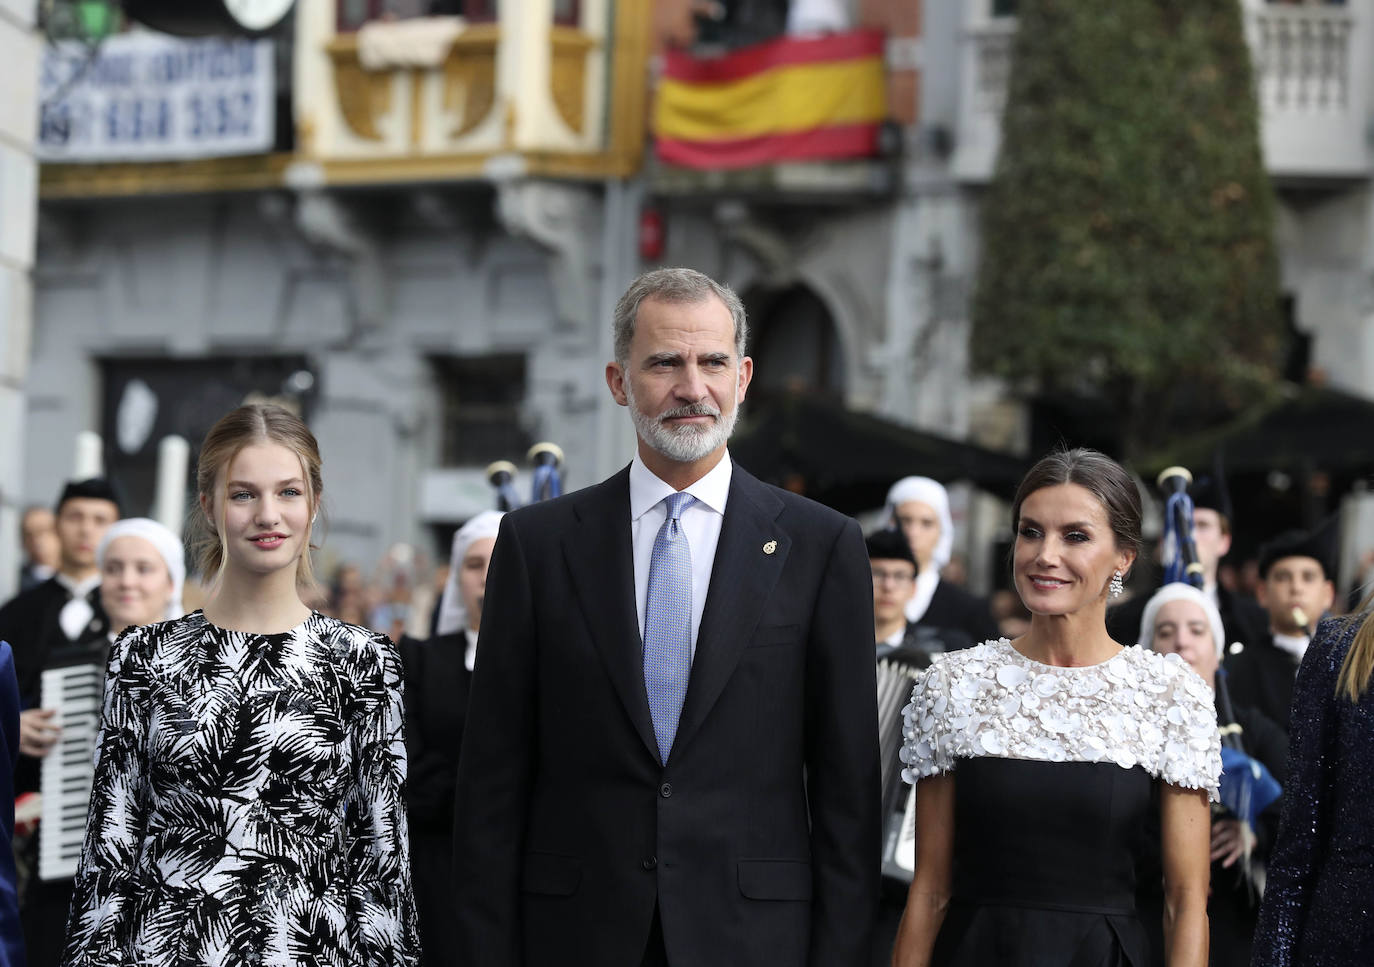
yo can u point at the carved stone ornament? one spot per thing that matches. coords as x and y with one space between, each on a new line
567 78
363 95
470 76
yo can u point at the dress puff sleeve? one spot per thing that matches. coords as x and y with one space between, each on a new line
1191 753
381 900
102 894
1305 823
926 732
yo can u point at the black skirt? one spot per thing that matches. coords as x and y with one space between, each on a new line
1045 858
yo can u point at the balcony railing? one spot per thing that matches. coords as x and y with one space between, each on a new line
450 96
1302 56
1312 75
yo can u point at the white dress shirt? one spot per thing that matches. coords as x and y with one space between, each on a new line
893 640
77 613
470 652
926 583
700 523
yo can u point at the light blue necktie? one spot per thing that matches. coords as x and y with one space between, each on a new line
668 624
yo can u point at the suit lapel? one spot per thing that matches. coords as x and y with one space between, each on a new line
742 577
598 554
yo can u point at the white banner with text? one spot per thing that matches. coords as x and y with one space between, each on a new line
151 97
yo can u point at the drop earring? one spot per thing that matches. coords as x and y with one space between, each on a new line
1116 587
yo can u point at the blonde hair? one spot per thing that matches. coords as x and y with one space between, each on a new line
1358 666
243 427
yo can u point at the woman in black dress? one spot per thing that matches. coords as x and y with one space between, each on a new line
247 803
438 677
1037 760
1316 908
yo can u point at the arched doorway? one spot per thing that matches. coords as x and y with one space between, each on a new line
795 345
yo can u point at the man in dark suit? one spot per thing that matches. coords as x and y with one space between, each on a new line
1296 589
438 678
42 550
670 756
894 584
60 621
63 612
11 933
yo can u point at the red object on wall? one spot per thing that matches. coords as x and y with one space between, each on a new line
651 235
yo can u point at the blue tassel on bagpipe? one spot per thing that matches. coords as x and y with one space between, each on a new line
1247 787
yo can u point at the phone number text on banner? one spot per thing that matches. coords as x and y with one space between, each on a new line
150 97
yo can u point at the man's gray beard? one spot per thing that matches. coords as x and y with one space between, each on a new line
687 443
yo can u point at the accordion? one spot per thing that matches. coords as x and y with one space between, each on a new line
896 674
68 770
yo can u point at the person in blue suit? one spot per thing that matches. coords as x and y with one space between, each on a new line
11 935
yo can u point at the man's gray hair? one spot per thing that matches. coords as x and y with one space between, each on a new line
674 286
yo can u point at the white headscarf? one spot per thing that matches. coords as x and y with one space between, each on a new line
933 495
1178 591
453 616
167 544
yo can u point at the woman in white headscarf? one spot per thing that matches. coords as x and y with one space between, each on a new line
919 508
142 572
1181 620
142 568
439 673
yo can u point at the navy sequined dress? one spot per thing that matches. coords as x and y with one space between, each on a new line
1319 903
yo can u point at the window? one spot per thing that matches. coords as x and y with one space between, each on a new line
567 12
354 13
482 396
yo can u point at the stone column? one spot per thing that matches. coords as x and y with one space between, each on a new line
19 52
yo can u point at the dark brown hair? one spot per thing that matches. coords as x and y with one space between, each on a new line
1101 476
235 430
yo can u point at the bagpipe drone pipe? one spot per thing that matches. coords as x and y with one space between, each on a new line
546 481
1247 787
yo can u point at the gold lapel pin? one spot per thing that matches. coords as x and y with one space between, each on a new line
770 547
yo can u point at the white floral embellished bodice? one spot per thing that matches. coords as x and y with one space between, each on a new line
1136 708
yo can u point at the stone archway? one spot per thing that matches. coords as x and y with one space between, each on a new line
795 344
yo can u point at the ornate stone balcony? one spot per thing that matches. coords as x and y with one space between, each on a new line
1312 72
405 99
434 99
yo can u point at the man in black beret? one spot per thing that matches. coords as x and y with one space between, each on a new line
1296 589
894 584
906 642
58 622
1242 618
65 609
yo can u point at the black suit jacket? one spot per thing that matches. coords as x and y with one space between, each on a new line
1262 677
759 841
436 700
30 623
954 609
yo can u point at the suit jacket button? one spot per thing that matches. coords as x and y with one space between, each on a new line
648 863
665 790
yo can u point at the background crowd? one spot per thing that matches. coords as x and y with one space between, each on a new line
1249 630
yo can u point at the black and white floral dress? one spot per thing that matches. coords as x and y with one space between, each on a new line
1056 770
248 803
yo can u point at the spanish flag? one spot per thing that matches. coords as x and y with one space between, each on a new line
791 99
